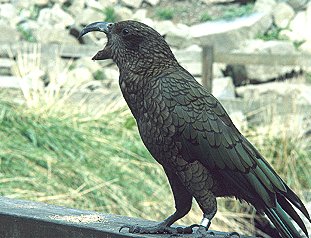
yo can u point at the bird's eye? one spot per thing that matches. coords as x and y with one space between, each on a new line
125 31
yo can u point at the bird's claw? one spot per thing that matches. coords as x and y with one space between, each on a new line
158 229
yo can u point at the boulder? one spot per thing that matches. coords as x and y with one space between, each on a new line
306 47
140 15
123 13
8 34
164 26
76 8
179 36
297 28
227 35
239 120
265 6
54 35
152 2
262 73
223 88
132 3
89 15
107 3
55 17
282 14
94 4
77 77
298 5
278 91
9 13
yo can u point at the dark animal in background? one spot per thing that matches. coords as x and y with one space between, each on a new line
189 133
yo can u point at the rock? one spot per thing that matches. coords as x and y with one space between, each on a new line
227 35
40 2
152 2
91 65
8 34
223 88
123 13
140 14
298 5
262 73
76 8
299 24
9 13
178 36
94 4
77 77
266 6
55 17
239 120
164 26
89 15
107 3
54 35
277 91
306 47
282 14
132 3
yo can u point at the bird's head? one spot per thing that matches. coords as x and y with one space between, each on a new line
131 43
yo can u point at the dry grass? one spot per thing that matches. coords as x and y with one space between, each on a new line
60 153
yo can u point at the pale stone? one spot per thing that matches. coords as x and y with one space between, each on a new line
298 4
76 8
79 77
123 13
153 2
94 4
266 6
163 26
282 14
223 88
140 14
54 35
107 3
263 73
89 15
55 17
227 35
281 91
300 24
239 120
132 3
9 13
8 34
179 36
306 47
40 2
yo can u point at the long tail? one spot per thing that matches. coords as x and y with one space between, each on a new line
280 215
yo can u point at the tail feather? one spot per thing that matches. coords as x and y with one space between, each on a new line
295 200
292 213
282 222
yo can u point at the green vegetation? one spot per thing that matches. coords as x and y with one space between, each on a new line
110 14
27 34
164 13
98 162
272 34
234 12
205 17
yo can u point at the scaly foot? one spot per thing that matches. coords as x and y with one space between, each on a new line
159 229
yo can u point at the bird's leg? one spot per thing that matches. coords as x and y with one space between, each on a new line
183 202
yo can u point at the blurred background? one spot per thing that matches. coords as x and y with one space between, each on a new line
67 137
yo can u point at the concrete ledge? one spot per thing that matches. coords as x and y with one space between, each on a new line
25 219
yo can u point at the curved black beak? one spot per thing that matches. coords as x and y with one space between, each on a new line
96 26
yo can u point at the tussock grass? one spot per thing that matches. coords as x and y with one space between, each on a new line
65 154
99 163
